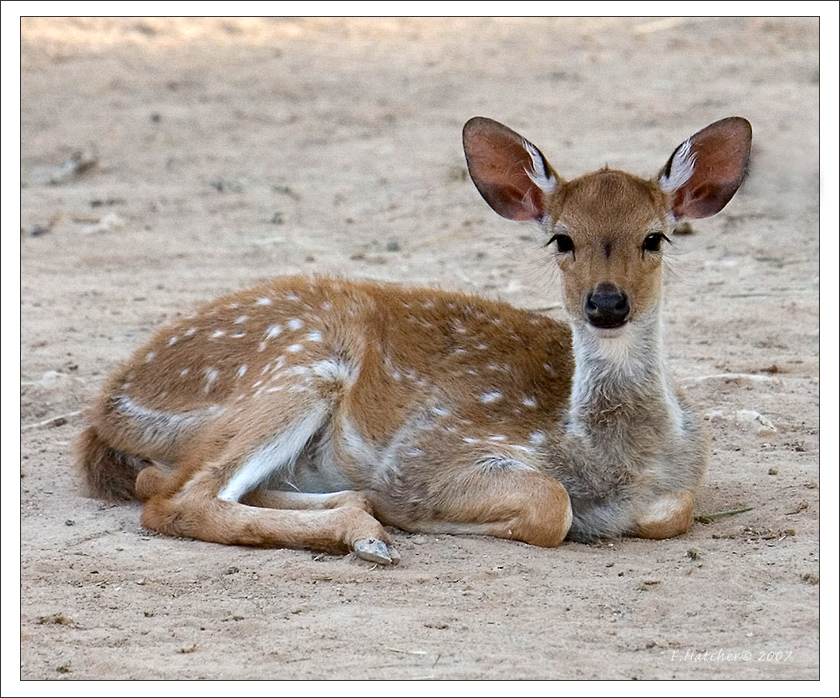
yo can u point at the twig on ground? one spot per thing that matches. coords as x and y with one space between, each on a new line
709 518
57 421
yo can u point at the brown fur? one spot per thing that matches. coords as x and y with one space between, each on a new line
109 473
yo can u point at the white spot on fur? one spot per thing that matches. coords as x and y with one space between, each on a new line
191 331
441 411
151 355
172 340
217 334
295 349
293 297
241 370
537 438
185 371
529 401
315 337
238 335
470 440
273 331
498 437
211 375
492 396
294 324
263 301
682 167
240 320
298 371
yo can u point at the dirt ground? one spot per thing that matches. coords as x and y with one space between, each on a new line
212 154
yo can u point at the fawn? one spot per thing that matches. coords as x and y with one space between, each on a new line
312 412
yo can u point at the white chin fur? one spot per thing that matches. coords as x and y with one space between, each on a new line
624 350
615 345
608 332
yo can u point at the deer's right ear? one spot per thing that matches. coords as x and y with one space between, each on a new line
705 171
509 172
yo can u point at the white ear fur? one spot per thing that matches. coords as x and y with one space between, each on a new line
540 176
681 169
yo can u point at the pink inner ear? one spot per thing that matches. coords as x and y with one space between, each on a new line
721 153
725 154
499 166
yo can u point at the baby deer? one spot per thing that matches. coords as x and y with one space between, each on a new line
311 412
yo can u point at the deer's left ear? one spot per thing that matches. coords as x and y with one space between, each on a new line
705 171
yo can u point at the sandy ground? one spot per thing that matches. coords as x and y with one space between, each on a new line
221 153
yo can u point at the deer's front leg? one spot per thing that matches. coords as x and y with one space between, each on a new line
495 496
667 516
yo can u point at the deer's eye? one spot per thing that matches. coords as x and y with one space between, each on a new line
653 242
564 243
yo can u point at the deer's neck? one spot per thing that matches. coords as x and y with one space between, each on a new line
622 381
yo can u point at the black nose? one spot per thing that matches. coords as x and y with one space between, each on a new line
607 306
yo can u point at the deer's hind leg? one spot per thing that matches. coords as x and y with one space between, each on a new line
209 496
374 549
276 499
